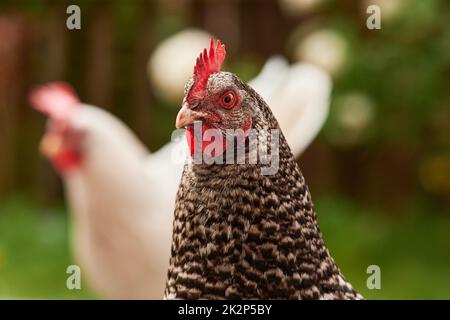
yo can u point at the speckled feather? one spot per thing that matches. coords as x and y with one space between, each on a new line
238 234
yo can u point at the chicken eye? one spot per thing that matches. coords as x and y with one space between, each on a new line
228 100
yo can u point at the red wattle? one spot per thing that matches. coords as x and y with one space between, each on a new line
218 147
67 160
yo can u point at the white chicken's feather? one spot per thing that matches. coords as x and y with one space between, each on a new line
301 104
120 232
268 81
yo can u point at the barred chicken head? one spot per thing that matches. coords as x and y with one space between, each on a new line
218 101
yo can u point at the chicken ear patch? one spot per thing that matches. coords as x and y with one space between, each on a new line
57 100
207 64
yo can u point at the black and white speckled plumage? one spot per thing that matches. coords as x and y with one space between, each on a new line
238 234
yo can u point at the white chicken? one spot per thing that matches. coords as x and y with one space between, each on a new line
122 197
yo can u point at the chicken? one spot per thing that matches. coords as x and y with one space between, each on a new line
298 96
242 231
123 209
120 228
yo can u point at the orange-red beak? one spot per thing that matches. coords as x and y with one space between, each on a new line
51 145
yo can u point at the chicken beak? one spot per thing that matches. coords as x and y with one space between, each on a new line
51 145
186 116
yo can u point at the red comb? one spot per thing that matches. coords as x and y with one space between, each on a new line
56 99
206 65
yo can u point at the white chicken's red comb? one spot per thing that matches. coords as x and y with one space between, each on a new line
56 99
207 64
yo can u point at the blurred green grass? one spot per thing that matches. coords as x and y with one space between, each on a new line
411 248
34 253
